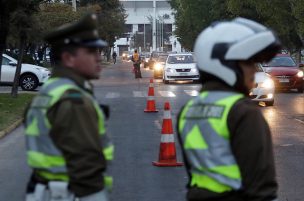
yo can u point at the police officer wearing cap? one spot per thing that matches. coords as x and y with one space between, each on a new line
67 144
225 139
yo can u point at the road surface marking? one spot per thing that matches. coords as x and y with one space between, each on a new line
167 94
140 94
112 95
157 124
191 92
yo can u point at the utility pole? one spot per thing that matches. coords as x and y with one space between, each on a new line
154 26
74 5
145 36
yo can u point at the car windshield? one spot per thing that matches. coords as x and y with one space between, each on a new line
180 59
280 62
162 58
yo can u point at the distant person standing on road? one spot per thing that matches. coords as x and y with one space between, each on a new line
136 64
67 145
114 56
40 55
226 141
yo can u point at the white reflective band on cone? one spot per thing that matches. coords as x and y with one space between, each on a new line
165 138
150 97
167 114
151 85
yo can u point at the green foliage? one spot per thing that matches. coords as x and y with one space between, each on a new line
39 17
285 17
191 16
111 18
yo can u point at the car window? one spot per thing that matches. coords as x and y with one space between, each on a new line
5 61
162 58
280 62
180 59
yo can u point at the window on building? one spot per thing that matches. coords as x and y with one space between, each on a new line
128 28
162 4
168 28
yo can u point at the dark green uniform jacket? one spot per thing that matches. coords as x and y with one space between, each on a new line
75 133
252 148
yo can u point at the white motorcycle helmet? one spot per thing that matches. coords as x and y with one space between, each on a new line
222 45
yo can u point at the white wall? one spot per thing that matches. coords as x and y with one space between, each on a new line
139 11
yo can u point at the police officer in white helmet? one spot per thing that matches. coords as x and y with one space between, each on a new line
225 139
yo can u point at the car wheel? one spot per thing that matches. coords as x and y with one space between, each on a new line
269 103
28 82
164 79
300 89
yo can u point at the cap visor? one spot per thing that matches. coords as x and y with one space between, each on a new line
95 43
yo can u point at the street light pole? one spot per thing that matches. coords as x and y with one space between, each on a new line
145 36
154 26
74 5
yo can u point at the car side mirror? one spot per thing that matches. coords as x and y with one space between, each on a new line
11 63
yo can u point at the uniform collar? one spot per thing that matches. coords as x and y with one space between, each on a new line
73 75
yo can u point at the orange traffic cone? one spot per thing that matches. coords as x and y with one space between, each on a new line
167 151
151 100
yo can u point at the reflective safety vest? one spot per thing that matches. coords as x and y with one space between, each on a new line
136 57
205 137
42 154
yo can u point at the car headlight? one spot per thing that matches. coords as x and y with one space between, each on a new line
268 84
194 70
300 74
147 60
158 67
123 55
169 70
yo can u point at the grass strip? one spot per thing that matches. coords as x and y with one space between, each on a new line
12 109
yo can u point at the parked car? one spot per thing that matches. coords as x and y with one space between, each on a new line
159 65
31 76
180 67
285 73
264 87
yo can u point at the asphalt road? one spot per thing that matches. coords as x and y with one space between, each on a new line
136 136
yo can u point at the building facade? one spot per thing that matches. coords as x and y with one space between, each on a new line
149 26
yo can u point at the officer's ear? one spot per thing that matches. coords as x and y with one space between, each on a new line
68 59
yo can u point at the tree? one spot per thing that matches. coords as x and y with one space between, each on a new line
15 14
285 17
112 17
21 24
191 17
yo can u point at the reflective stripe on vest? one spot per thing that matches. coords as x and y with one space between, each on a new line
42 154
205 136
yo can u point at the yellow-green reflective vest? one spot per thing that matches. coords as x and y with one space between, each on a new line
42 154
205 137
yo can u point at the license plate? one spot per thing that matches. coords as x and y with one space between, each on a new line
183 74
283 80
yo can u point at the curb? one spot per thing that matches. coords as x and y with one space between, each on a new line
9 129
